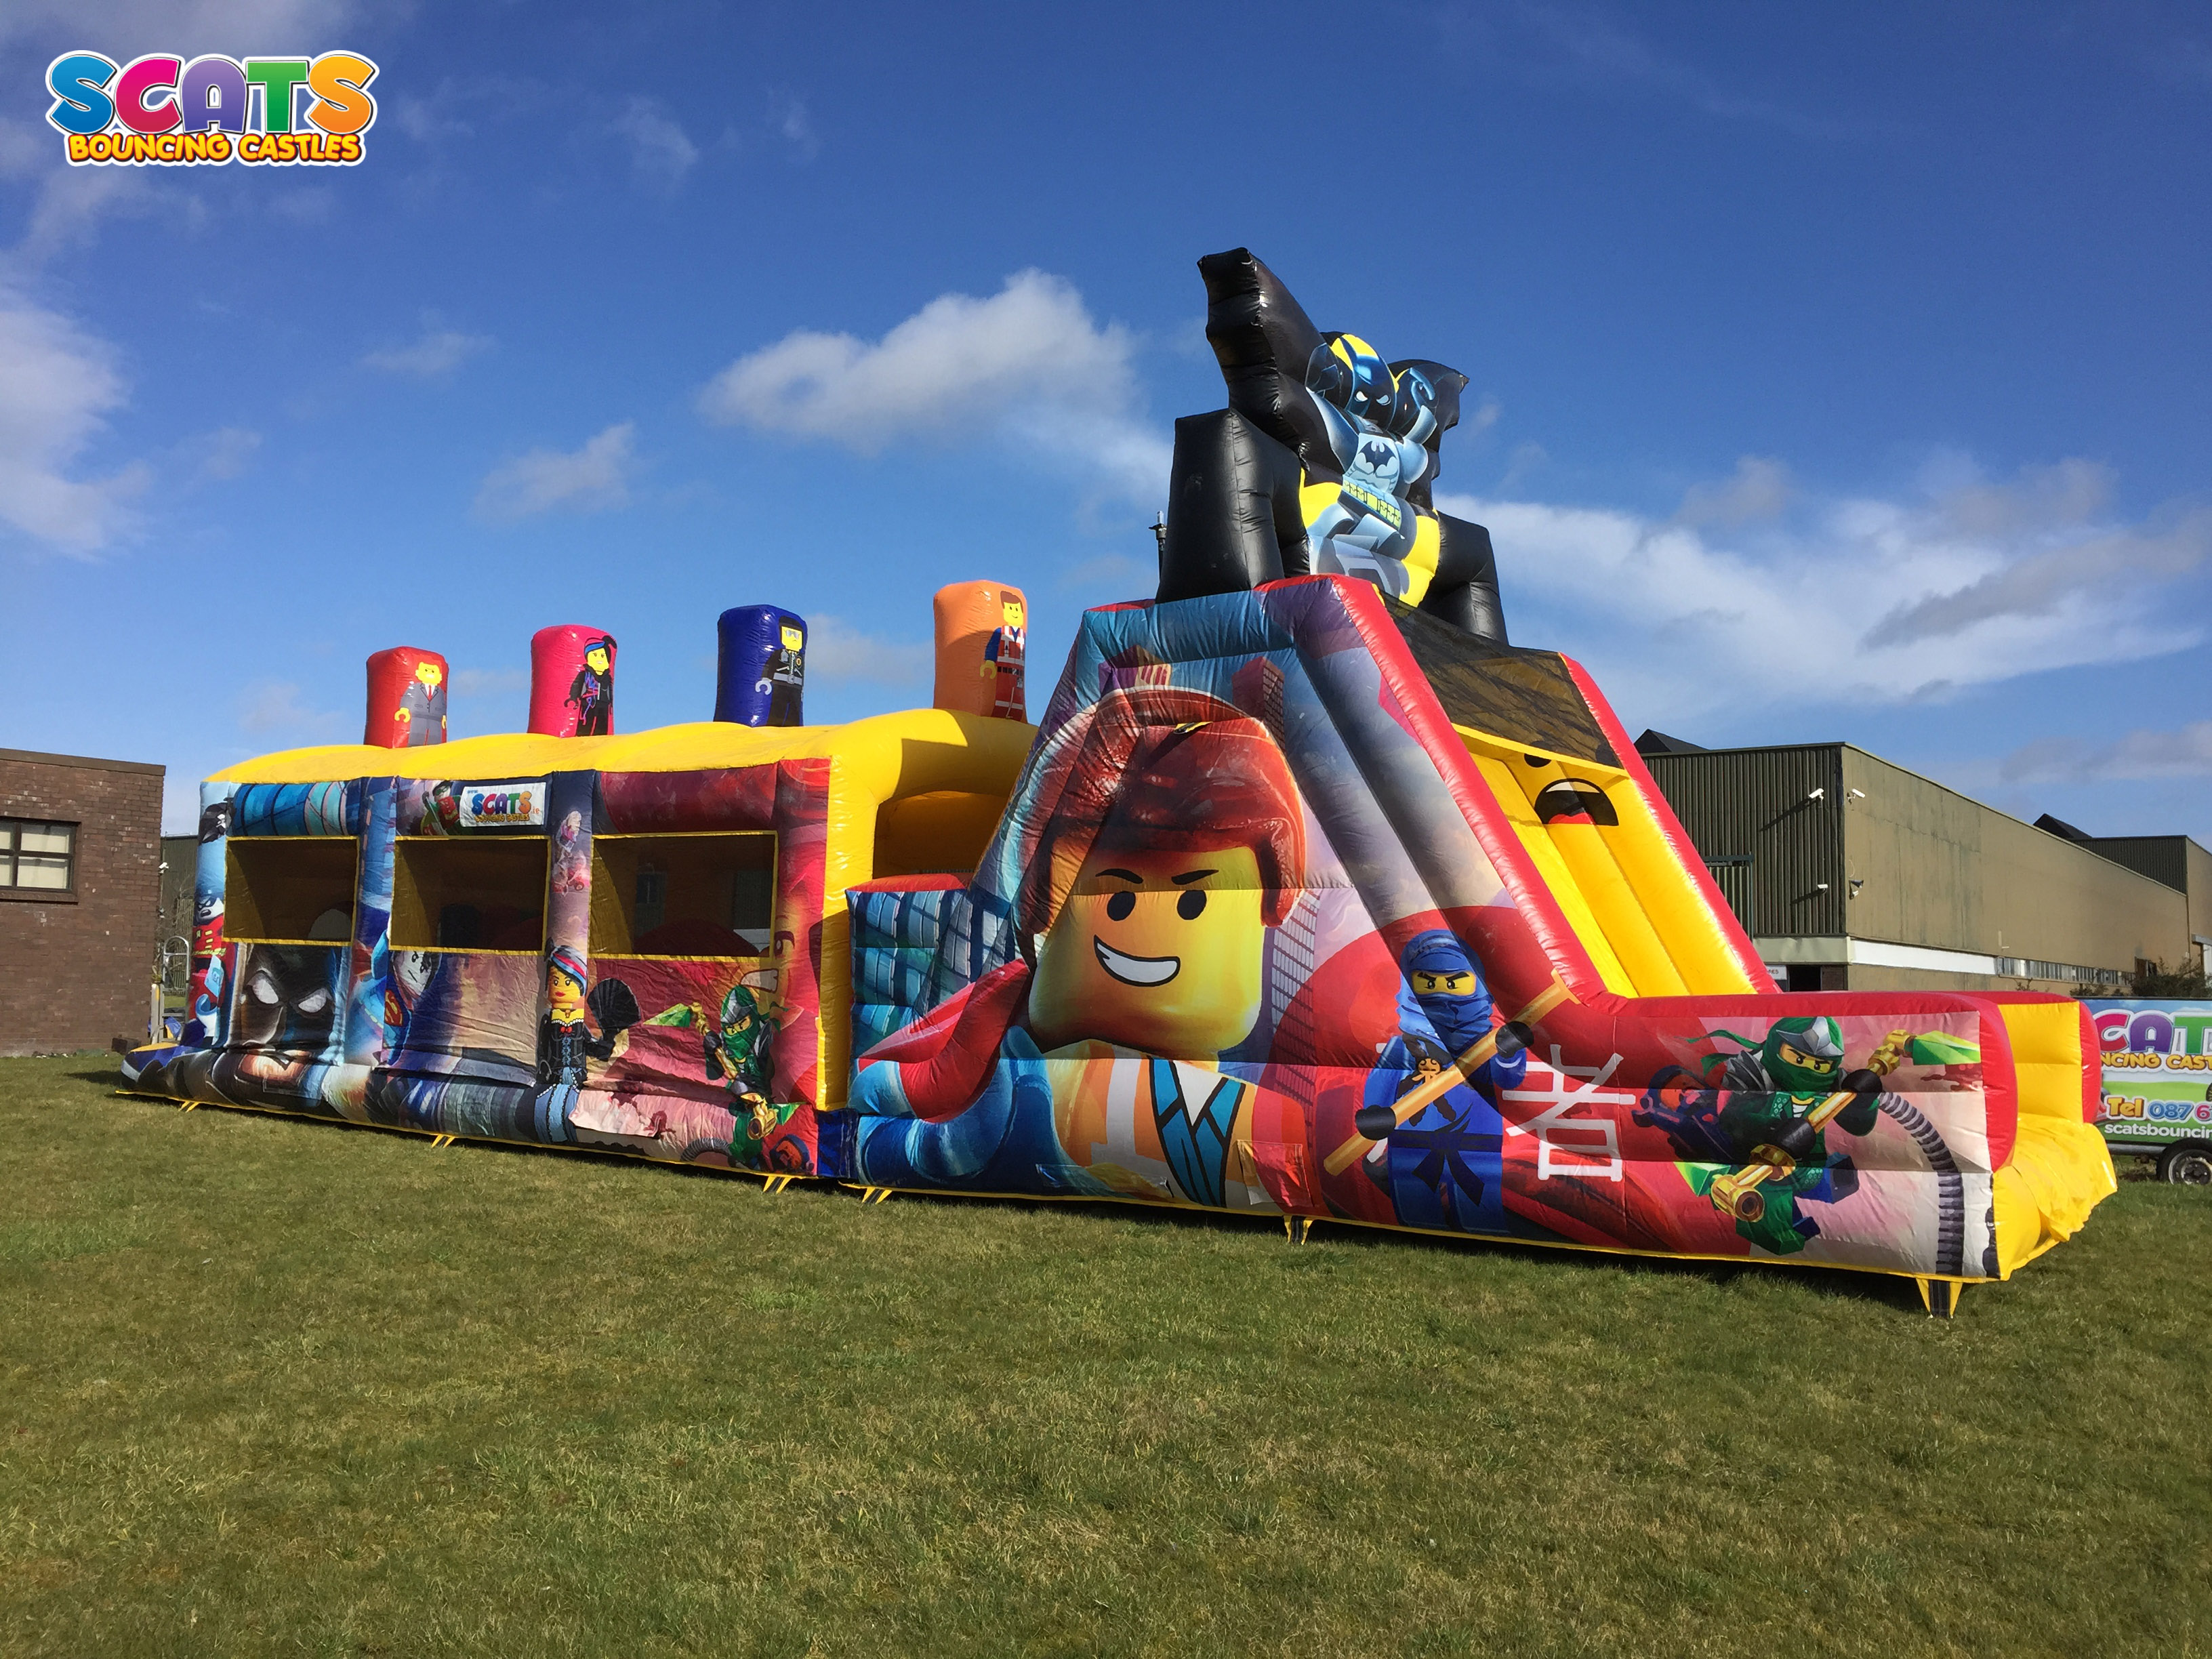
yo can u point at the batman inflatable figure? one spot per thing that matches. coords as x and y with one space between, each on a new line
1322 464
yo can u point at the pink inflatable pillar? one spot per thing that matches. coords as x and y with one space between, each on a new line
572 682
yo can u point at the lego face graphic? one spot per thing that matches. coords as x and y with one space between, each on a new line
1154 951
286 1014
284 1000
1460 983
792 639
564 996
1010 612
596 660
431 674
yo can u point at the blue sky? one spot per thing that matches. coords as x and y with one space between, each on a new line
1833 374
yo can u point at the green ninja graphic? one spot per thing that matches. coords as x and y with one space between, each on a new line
1762 1096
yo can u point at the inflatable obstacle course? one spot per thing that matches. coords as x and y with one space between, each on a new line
1310 895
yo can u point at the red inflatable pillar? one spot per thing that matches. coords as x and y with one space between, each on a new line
572 682
406 698
982 629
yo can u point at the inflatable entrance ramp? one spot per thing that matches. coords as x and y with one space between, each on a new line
1317 898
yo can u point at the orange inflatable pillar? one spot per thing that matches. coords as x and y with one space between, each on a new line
981 630
406 698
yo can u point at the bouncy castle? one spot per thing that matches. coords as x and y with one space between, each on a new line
1310 895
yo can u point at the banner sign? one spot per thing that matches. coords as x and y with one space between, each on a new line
2158 1073
510 805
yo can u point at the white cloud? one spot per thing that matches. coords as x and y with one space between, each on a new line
476 681
1758 488
226 452
1853 599
2139 754
660 149
1028 362
57 385
586 480
276 706
795 125
836 651
190 27
1552 44
439 351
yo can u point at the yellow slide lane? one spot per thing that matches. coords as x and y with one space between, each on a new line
1641 915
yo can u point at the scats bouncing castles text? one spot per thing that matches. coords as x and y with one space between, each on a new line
163 110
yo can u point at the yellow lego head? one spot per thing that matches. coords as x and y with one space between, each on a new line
430 673
1174 863
595 659
564 988
1156 950
792 639
1010 610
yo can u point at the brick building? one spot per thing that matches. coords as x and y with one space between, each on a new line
80 857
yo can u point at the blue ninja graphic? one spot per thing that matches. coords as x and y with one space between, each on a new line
1442 1166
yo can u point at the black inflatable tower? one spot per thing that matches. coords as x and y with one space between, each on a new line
1322 463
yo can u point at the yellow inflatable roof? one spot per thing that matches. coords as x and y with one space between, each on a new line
885 756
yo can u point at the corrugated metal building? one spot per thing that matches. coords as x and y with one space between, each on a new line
1851 873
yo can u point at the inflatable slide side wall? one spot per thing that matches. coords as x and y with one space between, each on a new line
1309 904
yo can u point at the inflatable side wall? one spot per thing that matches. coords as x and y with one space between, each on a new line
632 944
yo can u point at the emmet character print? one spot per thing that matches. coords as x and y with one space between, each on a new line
1002 657
1092 1066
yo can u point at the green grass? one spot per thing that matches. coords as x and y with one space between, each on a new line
270 1386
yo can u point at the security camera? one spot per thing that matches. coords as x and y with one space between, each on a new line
1858 795
1816 795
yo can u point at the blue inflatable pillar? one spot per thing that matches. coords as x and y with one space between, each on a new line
761 669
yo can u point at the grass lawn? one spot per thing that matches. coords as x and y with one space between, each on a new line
272 1386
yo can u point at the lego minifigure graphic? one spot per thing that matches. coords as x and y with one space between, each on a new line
422 708
592 693
1002 657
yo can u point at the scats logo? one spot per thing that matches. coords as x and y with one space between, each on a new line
495 806
164 111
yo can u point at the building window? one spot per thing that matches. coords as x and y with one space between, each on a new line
39 858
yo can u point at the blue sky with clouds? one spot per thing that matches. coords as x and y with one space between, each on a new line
1833 374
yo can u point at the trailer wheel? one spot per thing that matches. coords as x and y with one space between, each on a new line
2189 1164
